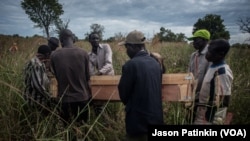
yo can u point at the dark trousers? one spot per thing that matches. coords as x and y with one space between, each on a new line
74 111
77 111
98 106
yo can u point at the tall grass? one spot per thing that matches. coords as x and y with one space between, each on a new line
239 61
20 122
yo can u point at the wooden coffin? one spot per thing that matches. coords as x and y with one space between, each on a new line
175 87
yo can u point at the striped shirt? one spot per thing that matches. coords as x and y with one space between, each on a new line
36 82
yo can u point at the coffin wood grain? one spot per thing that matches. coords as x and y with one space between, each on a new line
175 87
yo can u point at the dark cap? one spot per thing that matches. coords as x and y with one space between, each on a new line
44 49
54 41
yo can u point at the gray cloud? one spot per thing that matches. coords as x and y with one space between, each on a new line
126 15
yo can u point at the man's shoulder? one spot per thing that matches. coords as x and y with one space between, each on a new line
82 50
129 62
194 53
104 45
205 50
56 51
136 60
68 50
224 69
35 61
79 48
32 63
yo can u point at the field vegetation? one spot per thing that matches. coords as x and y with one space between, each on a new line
19 122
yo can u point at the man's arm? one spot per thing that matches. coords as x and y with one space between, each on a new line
108 66
126 84
40 80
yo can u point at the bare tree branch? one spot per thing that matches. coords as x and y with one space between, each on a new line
244 24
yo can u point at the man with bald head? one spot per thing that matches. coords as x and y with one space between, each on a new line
71 67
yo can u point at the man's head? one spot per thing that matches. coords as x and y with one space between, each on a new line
94 39
44 50
217 50
53 43
134 42
66 37
200 39
134 37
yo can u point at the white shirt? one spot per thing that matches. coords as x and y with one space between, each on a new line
102 61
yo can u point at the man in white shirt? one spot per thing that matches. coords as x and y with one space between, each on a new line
100 63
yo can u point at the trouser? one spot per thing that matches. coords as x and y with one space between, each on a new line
75 110
98 106
200 118
195 110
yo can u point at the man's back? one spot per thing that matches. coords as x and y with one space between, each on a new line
72 73
140 91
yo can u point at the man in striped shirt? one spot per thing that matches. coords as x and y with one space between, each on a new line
36 91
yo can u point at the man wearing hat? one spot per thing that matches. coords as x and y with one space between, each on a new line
198 64
140 88
53 43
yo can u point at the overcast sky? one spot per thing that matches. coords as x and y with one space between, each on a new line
126 15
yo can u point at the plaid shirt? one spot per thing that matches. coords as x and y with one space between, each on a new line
36 82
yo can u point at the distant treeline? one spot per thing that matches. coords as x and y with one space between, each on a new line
238 45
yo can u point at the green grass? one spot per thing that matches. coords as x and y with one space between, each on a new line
20 122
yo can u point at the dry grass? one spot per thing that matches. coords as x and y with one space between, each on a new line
17 120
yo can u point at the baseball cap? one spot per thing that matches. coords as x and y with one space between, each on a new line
54 41
202 33
134 37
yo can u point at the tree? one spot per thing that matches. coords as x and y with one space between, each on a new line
180 37
43 13
244 24
214 24
168 36
119 36
97 28
60 25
